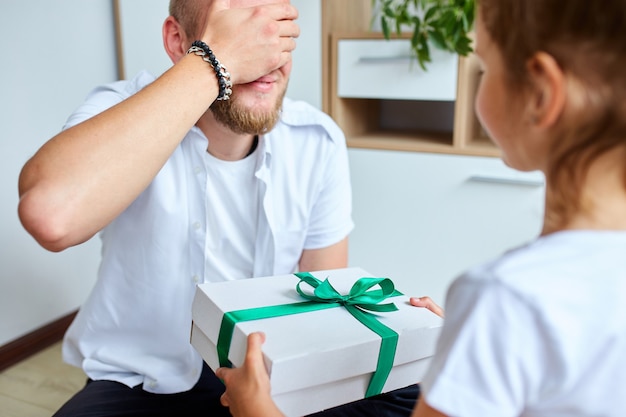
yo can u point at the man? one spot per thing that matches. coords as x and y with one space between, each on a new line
253 186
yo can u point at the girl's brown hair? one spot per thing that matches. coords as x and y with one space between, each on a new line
588 40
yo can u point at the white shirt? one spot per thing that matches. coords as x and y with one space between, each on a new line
134 327
538 332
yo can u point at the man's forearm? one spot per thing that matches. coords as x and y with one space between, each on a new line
85 176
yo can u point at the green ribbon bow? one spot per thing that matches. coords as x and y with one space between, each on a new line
358 302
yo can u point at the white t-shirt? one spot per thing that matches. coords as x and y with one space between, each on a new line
134 327
232 215
539 332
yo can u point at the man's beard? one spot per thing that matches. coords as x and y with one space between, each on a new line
243 120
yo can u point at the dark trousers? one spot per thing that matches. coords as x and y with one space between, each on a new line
108 399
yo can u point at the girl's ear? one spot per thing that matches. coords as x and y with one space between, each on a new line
174 39
547 98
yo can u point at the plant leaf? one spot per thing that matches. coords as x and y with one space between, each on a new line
385 27
437 39
444 24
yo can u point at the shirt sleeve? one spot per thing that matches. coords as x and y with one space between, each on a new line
488 358
98 100
331 215
106 96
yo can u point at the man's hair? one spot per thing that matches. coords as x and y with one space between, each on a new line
191 14
588 40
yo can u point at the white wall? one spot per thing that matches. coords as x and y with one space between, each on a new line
54 52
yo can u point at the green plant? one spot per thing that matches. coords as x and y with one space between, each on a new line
445 24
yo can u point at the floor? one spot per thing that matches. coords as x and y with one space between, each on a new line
39 385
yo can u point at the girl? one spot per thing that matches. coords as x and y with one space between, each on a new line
541 331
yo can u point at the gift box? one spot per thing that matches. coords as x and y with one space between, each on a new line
332 337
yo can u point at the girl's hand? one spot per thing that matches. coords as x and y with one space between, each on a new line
427 302
248 387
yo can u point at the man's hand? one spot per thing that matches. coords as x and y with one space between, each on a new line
253 41
248 388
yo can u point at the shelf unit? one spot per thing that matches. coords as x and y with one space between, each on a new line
362 119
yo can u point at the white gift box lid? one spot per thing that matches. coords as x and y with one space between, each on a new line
313 348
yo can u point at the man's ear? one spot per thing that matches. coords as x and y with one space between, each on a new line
174 39
547 98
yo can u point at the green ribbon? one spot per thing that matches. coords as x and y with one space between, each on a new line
358 302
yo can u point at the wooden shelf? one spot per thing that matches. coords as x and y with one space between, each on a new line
361 119
400 141
420 142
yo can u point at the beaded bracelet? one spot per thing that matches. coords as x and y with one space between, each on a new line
223 77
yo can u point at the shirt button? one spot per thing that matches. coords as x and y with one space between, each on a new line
196 279
197 170
197 225
152 384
